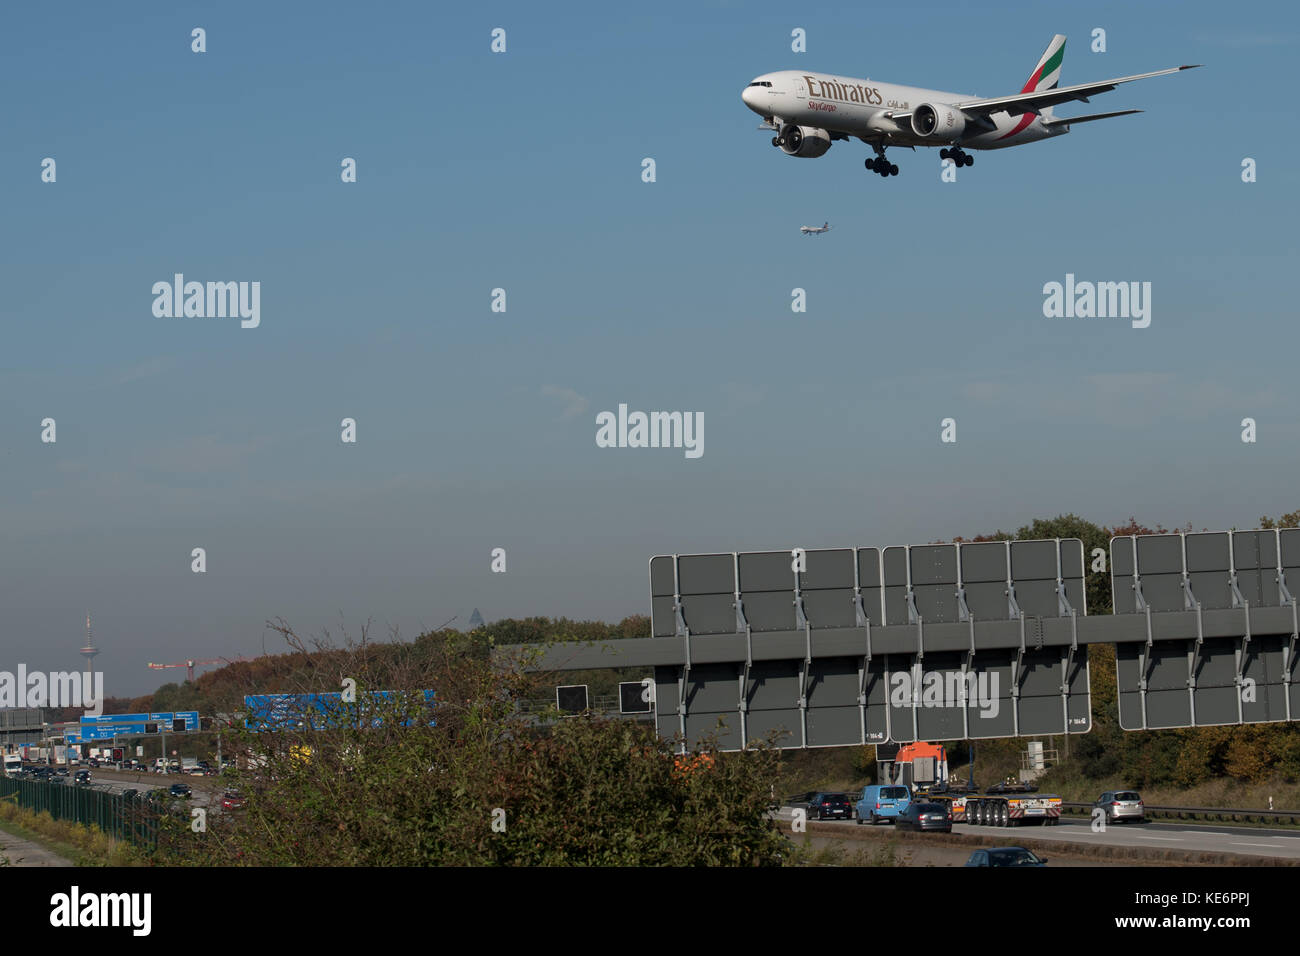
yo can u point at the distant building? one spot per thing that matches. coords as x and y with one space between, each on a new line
476 620
89 651
20 725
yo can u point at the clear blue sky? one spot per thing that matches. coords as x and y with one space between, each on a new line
522 171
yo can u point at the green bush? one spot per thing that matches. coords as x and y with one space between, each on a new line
483 785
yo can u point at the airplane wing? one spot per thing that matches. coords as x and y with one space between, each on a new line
1035 101
1087 119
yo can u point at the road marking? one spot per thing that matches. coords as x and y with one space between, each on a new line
1271 846
1143 836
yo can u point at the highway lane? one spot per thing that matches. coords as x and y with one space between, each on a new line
1188 838
124 779
1192 838
206 791
931 853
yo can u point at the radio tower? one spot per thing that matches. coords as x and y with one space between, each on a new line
90 650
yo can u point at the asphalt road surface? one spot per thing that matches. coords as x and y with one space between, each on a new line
1183 837
207 791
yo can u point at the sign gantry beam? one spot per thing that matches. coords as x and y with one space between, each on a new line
966 640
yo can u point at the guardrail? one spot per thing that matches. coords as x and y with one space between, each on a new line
1222 814
599 704
801 799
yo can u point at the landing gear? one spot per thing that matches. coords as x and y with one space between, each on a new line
879 164
776 140
958 156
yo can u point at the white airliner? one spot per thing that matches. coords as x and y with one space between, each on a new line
808 111
815 230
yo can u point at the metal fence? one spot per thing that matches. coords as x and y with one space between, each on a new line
1039 759
600 704
118 816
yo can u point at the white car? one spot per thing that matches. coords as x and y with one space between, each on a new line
1121 805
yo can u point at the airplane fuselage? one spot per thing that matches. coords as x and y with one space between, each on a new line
861 108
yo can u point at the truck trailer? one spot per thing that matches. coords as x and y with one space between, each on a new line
1004 805
924 767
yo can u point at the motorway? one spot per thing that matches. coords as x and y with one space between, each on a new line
207 791
1193 838
1178 837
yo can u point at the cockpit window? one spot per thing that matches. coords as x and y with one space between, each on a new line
760 83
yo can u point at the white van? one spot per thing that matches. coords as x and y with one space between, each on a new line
13 764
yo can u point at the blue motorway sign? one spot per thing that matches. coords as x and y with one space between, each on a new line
312 711
109 732
115 718
108 726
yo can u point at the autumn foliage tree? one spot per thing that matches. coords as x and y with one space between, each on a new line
390 779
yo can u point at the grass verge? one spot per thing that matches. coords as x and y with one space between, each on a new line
80 844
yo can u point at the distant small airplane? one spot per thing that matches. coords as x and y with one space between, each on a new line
815 230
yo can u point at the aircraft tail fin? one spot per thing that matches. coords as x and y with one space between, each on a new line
1048 71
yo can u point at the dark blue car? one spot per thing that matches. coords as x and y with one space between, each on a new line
925 816
830 806
1006 856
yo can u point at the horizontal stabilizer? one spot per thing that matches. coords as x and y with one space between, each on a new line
1087 119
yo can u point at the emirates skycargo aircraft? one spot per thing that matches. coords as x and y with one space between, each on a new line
808 111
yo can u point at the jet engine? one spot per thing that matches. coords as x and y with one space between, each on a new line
807 141
938 121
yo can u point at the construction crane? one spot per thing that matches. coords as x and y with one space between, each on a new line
191 664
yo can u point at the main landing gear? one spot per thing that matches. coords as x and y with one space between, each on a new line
958 156
879 164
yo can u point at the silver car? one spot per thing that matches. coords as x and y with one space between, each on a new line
1122 805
